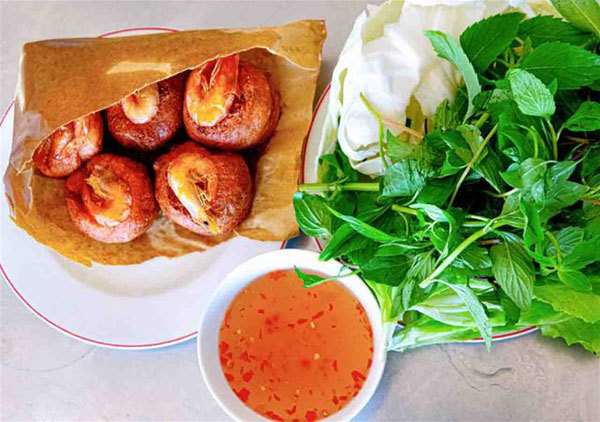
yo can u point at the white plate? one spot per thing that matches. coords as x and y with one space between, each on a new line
309 175
154 304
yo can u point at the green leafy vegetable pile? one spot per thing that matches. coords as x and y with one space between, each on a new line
492 223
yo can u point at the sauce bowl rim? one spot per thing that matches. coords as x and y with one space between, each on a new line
247 272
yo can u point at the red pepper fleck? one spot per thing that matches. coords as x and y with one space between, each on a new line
305 363
331 306
261 311
262 365
358 376
310 415
276 397
224 361
244 356
223 346
333 326
229 377
260 334
273 416
335 400
318 315
276 275
291 411
343 398
262 295
291 325
243 394
369 363
335 367
295 420
247 376
355 394
302 321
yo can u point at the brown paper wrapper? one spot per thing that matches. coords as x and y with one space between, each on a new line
61 80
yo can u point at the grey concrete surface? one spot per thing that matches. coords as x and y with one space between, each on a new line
47 376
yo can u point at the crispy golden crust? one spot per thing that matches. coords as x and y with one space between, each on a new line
63 152
160 129
143 206
251 120
233 195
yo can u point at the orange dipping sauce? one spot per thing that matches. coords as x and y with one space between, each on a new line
295 354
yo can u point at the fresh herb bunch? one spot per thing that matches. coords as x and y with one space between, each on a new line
492 222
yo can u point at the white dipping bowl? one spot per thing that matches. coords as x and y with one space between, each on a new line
208 333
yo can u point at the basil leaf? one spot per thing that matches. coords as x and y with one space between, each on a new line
574 279
541 29
583 13
312 215
345 237
475 309
447 48
572 66
586 118
513 271
389 270
363 228
483 41
531 95
310 280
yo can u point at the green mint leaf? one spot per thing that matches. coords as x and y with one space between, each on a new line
572 66
585 14
576 331
404 178
400 150
585 119
490 167
525 174
437 191
574 279
483 41
534 233
312 215
447 48
531 95
390 270
541 313
476 310
567 239
560 195
583 254
541 29
513 271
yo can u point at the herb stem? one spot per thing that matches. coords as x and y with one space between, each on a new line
501 195
554 241
381 130
473 160
481 121
554 138
406 210
329 187
456 252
